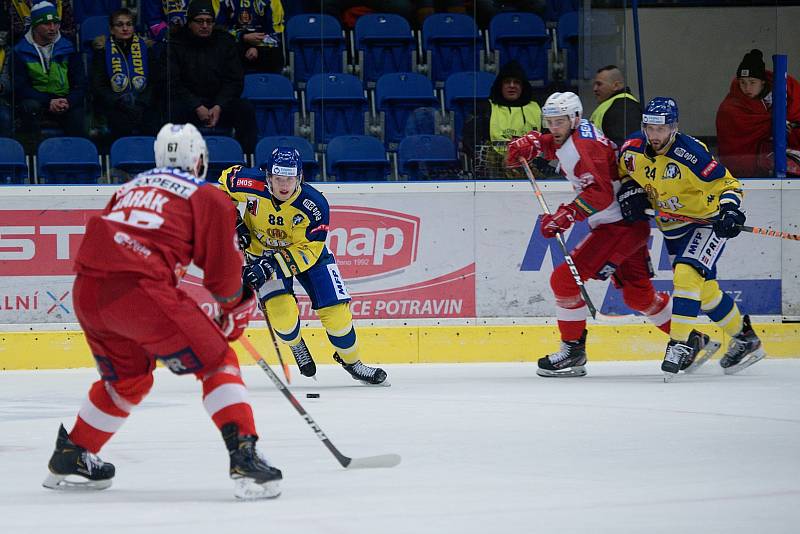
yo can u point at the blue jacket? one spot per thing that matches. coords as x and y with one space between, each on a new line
63 79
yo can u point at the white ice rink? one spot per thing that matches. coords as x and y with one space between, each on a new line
487 449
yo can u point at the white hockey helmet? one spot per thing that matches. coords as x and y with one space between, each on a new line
561 104
182 146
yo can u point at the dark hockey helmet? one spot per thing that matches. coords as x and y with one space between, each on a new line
661 111
284 161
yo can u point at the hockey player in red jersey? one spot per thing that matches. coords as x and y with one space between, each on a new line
126 298
614 248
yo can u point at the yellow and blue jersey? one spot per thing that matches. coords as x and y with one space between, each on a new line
295 229
686 180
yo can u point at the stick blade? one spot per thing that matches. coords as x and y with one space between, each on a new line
374 462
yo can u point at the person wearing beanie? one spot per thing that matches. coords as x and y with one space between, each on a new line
48 76
21 19
744 118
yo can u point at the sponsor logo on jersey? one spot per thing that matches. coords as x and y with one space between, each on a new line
252 206
585 130
672 172
249 183
630 161
311 206
297 219
685 154
705 173
369 242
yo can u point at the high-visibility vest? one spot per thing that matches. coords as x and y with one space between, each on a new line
509 122
599 113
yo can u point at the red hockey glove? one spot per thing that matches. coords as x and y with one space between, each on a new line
560 221
233 322
528 147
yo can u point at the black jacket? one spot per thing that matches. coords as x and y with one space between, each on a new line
104 96
204 71
623 118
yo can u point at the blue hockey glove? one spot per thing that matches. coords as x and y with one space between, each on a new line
243 232
730 221
257 273
633 201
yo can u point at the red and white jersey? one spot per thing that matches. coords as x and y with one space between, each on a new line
156 224
588 160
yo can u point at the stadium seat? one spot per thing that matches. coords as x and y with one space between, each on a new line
223 152
337 105
90 28
396 96
521 37
568 34
316 45
273 97
13 165
83 9
462 92
384 43
356 158
451 43
132 155
423 157
68 160
265 147
556 8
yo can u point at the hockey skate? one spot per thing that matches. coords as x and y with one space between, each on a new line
74 468
253 476
744 349
570 360
676 354
703 349
371 376
303 358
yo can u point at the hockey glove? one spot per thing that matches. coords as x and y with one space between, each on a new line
730 221
528 146
257 273
633 201
233 322
560 221
243 232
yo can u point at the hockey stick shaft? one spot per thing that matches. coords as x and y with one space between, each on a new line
387 460
559 236
768 232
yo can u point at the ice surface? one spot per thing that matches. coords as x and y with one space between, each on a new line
487 448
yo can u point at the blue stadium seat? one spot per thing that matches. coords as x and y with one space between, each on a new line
384 43
556 8
462 92
423 157
316 45
568 35
338 105
396 96
13 165
68 160
83 9
223 152
91 28
356 158
265 147
521 37
273 97
451 43
132 155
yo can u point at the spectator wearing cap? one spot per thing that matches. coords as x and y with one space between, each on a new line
20 11
207 78
744 118
257 27
48 76
121 79
618 113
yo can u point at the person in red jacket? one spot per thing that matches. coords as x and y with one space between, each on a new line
126 298
614 248
744 120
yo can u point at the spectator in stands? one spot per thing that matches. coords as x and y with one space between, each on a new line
121 79
257 27
207 77
48 77
348 11
618 113
744 118
91 8
6 126
509 113
486 9
163 18
21 17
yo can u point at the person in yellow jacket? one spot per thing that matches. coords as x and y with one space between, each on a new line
618 112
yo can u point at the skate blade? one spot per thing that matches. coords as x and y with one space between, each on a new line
706 354
247 489
752 358
74 483
384 384
578 370
669 377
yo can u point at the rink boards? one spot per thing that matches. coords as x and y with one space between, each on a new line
438 272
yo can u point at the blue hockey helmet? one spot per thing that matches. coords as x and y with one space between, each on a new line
286 162
660 110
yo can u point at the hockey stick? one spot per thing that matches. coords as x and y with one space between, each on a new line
382 460
567 257
768 232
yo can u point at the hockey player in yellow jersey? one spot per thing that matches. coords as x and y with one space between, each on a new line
283 232
673 172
